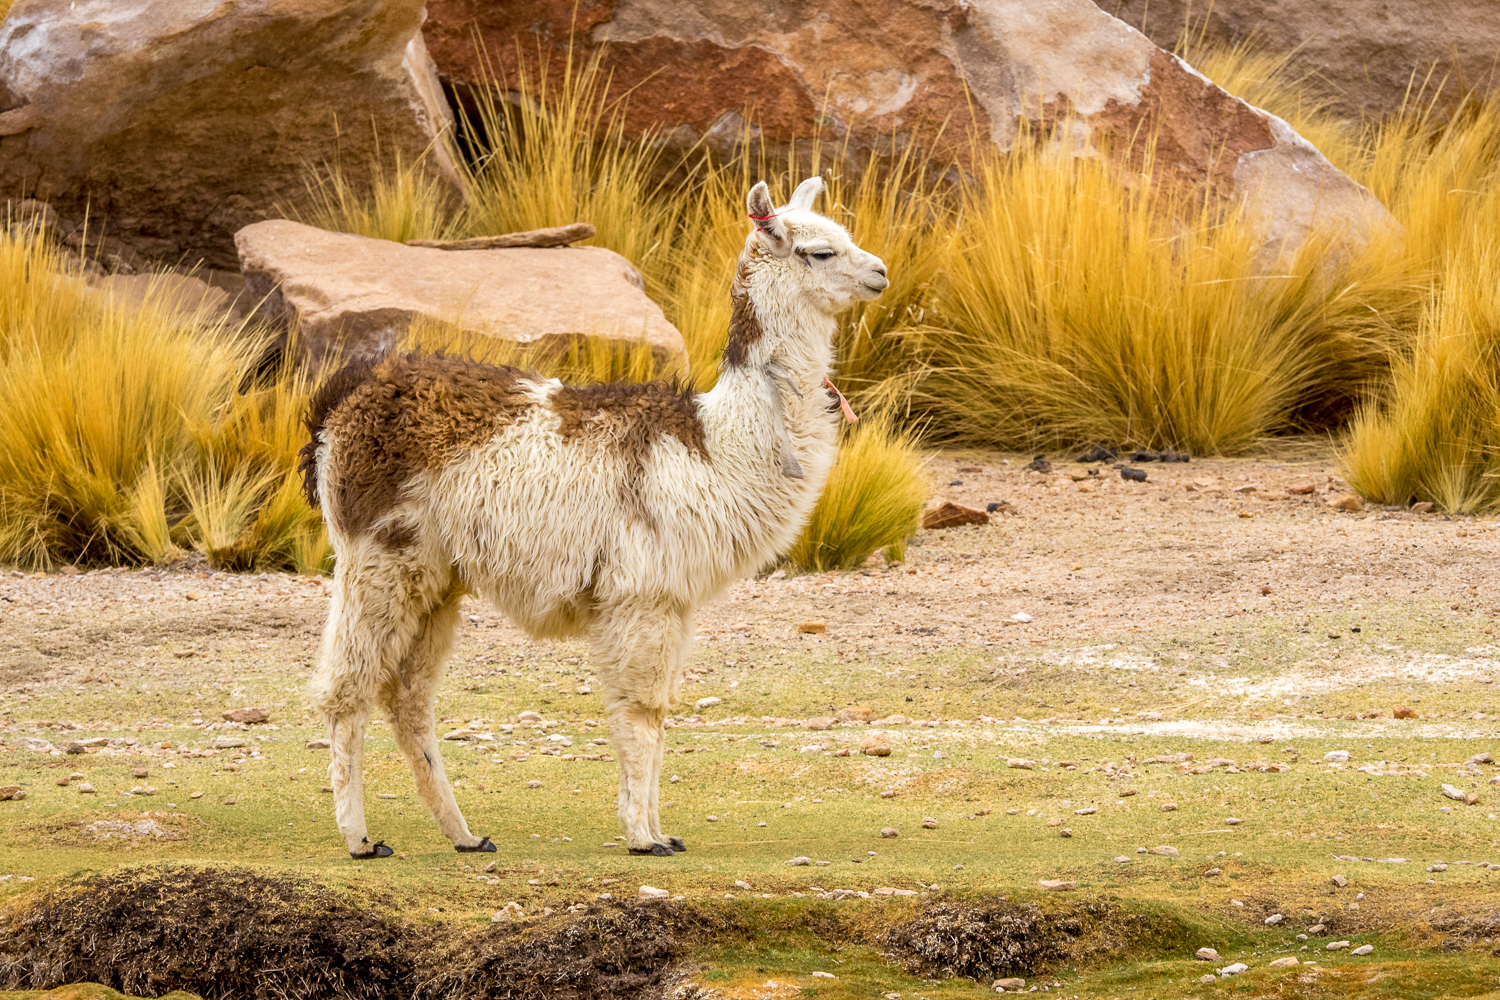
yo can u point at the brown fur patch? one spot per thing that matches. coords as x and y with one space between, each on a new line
629 417
333 391
414 412
744 326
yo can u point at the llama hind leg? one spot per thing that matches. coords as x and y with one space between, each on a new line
639 651
409 702
369 629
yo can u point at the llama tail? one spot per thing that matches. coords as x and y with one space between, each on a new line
330 393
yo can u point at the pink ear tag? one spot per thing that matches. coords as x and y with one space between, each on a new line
843 403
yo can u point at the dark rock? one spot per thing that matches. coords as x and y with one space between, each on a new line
1039 464
1133 475
1098 453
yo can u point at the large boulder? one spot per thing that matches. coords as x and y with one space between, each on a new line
869 71
351 296
176 123
1360 54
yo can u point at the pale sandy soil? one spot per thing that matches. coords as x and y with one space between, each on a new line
1115 576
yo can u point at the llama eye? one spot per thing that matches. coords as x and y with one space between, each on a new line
823 255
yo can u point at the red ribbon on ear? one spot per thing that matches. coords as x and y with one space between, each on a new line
843 403
763 218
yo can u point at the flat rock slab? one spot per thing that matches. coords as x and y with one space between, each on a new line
353 297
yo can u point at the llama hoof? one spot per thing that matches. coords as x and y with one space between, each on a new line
483 847
676 844
655 850
376 850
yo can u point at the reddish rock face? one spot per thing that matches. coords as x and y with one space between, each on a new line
874 73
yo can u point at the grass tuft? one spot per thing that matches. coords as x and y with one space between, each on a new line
873 500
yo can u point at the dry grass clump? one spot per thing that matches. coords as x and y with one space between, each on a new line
126 435
873 500
1436 434
1078 310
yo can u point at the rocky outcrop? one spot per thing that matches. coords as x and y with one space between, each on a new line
871 70
1361 55
355 297
176 123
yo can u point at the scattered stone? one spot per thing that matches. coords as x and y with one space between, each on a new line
1233 970
928 823
799 862
1012 985
1301 489
529 716
1057 885
1038 464
1122 859
1133 475
1086 811
708 702
1098 453
1208 978
1336 757
1165 851
12 792
1206 954
953 515
227 742
889 793
1020 762
1482 758
317 745
510 911
841 753
1404 712
1054 821
246 716
533 783
651 892
1340 881
1021 618
1273 920
1167 807
824 975
1233 821
889 833
1439 867
1348 503
1284 963
1065 832
812 628
819 723
855 713
711 819
1363 949
876 745
1148 716
741 884
1336 945
1214 871
194 795
1454 793
1316 929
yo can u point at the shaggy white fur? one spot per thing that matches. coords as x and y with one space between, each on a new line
533 520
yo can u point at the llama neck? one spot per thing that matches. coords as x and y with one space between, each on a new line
773 402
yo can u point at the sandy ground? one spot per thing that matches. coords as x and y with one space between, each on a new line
1214 562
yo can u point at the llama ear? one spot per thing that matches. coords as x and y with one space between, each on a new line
767 221
807 192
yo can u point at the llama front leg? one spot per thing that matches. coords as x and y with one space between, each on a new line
640 651
409 702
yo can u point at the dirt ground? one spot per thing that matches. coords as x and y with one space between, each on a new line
1208 556
1109 666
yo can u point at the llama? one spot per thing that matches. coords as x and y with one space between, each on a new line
611 511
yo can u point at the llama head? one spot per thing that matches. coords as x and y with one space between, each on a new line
812 257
